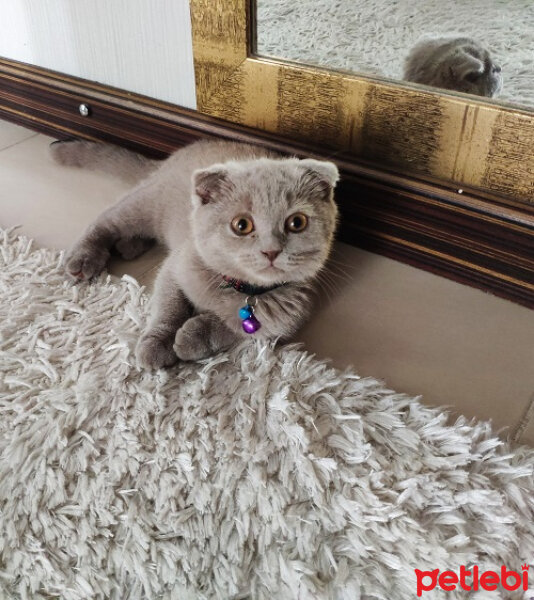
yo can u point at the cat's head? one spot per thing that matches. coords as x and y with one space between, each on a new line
265 221
471 69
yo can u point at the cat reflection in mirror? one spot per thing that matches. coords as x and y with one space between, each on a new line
247 233
460 64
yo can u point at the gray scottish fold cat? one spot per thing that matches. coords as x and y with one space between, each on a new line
460 64
238 221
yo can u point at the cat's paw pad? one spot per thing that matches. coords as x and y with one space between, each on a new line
192 340
83 263
155 352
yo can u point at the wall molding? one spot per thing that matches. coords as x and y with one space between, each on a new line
472 237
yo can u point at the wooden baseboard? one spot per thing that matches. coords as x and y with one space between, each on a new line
469 236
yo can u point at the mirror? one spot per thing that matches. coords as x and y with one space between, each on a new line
461 140
480 47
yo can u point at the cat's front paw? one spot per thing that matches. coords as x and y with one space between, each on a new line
192 340
84 262
155 352
202 336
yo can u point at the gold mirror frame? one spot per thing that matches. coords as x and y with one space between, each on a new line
411 130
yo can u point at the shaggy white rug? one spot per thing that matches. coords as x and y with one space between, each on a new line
375 37
261 473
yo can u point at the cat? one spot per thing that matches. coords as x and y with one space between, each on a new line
236 219
460 64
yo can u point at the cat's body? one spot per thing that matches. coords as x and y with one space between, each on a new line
200 203
454 63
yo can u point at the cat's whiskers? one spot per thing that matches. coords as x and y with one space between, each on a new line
305 253
337 261
331 280
336 272
339 267
326 287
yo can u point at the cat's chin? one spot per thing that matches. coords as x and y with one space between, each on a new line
266 277
273 279
271 276
275 276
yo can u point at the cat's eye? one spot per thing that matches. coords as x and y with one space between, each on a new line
242 225
297 223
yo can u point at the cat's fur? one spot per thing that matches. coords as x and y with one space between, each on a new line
461 64
187 202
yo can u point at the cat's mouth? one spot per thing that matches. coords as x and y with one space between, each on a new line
272 269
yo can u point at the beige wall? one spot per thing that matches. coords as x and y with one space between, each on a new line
140 45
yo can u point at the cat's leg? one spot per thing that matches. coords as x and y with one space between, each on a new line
130 248
170 309
128 226
202 336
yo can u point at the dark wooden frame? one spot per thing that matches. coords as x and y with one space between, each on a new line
466 235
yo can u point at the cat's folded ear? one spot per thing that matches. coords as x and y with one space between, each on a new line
211 184
319 177
466 66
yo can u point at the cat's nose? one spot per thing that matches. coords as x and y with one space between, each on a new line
271 254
